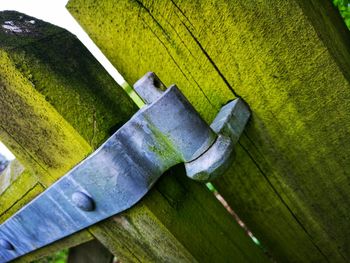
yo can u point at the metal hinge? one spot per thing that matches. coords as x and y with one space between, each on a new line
165 132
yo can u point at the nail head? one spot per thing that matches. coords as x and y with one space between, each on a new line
83 201
6 245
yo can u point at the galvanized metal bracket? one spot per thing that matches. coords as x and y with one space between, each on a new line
227 127
165 132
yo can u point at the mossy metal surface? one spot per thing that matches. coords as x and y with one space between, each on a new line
289 60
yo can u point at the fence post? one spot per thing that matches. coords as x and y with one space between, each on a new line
290 62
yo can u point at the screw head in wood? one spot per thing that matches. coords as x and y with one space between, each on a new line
83 201
6 245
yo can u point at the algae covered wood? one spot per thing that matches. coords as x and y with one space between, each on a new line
290 62
61 106
45 143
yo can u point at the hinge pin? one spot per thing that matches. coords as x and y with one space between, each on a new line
83 201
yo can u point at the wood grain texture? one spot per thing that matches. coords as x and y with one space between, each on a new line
44 142
290 62
26 184
60 107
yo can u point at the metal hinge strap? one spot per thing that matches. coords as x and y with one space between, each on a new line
165 132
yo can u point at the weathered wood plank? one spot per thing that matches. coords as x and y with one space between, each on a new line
52 99
16 193
30 126
25 110
290 62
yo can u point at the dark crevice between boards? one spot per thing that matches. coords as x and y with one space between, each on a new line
177 65
283 201
249 233
182 13
168 52
211 61
23 196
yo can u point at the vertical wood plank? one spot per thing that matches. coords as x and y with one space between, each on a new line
44 142
290 62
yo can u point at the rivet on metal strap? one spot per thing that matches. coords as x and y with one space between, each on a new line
83 201
6 245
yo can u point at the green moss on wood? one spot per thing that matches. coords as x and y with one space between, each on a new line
31 122
141 225
74 82
15 192
290 62
141 38
41 98
56 108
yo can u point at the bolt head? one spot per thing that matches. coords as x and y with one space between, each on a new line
83 201
6 245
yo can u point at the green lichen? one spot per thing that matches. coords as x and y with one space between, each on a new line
33 122
165 148
50 92
56 105
290 62
76 85
13 194
142 40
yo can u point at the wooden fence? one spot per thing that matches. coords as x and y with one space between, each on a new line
289 60
58 104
